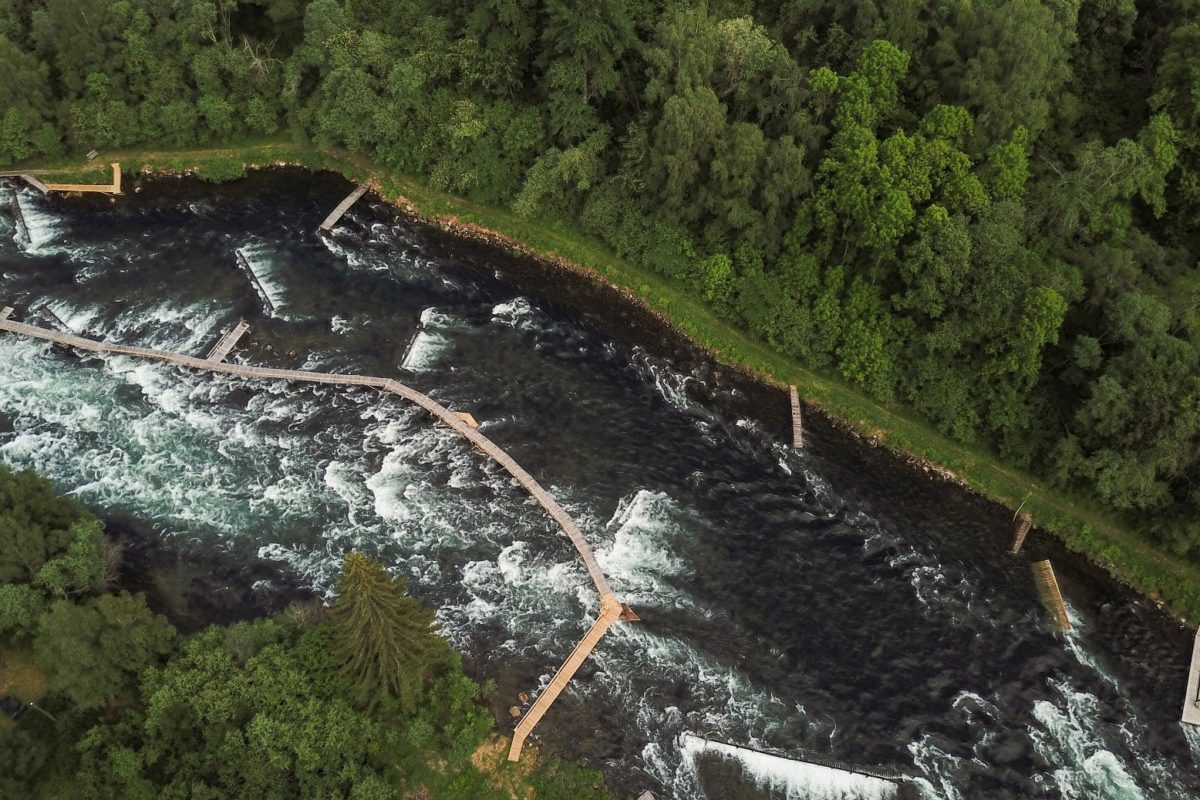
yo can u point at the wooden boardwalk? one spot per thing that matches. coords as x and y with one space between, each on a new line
610 612
1191 703
342 208
797 420
610 606
222 348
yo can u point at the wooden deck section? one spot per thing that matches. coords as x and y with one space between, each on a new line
610 612
797 420
342 208
222 348
1191 703
1052 598
94 188
6 312
610 606
35 183
1024 523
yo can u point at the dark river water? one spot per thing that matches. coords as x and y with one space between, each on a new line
832 602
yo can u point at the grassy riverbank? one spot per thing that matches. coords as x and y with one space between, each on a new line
1102 538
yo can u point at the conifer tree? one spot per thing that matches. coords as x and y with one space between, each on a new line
386 641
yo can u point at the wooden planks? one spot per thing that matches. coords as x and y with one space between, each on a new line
1052 598
611 609
1191 703
610 612
35 183
797 420
1024 523
342 208
6 312
222 348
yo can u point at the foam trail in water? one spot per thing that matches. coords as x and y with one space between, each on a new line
1074 639
1071 737
796 780
642 553
428 345
41 228
262 275
1192 734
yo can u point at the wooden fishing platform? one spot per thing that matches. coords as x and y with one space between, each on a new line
1051 597
797 420
45 188
342 208
222 348
1191 703
611 608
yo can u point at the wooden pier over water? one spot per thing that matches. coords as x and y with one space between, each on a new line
222 348
797 419
611 608
1191 703
342 208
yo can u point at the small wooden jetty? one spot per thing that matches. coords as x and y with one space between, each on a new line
222 348
1051 597
611 608
797 420
1023 524
342 208
1191 703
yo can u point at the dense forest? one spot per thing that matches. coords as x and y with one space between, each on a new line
982 209
109 701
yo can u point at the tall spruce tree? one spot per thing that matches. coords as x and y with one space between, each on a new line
387 641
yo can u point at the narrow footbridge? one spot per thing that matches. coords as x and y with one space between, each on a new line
611 609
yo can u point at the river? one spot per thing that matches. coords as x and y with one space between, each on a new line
833 602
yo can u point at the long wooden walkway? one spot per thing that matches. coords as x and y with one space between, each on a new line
342 208
610 606
1191 703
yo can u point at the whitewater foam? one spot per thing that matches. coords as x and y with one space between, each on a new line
798 780
270 290
1070 735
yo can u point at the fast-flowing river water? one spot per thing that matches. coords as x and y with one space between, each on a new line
831 602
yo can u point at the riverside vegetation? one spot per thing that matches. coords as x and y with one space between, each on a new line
974 222
365 701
